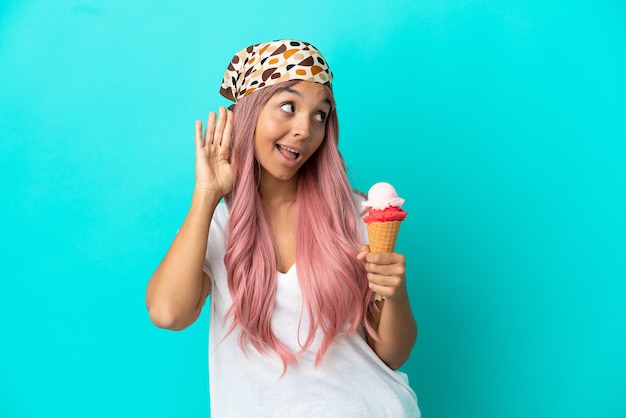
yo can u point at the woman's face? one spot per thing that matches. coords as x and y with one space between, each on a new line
290 128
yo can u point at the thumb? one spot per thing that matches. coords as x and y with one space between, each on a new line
363 252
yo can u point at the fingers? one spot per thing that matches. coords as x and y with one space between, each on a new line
363 252
387 287
198 136
228 133
219 128
384 259
210 129
384 280
389 270
385 272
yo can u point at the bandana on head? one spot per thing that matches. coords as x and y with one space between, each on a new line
269 63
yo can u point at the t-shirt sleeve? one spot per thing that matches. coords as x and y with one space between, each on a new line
359 198
216 245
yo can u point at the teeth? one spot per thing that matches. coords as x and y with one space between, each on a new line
289 149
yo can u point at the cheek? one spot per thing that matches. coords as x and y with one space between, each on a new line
267 131
316 143
319 136
262 132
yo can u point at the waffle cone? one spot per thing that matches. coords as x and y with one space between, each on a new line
382 236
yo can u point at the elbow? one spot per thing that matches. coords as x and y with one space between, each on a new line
394 367
400 354
396 363
394 359
165 318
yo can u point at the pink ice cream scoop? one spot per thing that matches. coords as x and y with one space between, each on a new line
383 204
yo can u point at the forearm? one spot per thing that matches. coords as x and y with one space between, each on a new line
175 290
397 332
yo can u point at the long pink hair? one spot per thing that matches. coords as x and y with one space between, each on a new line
333 282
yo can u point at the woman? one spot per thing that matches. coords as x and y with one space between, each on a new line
295 329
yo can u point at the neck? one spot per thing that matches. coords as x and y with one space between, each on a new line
277 192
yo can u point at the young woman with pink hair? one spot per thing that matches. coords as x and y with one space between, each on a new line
274 234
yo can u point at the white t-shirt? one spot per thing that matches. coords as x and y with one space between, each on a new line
351 381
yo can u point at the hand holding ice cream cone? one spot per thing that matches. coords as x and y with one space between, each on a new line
383 224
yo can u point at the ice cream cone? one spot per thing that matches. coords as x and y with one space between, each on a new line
382 236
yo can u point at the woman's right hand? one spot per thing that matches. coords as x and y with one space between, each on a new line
214 173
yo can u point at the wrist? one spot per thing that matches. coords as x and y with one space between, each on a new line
205 198
400 298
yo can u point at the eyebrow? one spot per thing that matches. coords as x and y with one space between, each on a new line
297 93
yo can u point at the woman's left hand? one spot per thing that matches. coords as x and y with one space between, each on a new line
386 272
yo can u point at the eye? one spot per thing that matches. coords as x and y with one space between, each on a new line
320 116
288 107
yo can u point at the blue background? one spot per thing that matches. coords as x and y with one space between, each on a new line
502 123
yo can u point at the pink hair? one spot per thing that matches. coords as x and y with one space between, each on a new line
335 292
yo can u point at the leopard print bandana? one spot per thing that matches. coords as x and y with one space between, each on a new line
269 63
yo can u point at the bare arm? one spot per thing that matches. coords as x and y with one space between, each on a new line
395 323
178 288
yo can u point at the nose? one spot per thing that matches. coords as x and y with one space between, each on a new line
301 127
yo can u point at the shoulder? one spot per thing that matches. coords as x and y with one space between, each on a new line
218 236
219 222
221 213
359 198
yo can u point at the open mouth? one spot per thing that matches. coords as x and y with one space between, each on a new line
288 153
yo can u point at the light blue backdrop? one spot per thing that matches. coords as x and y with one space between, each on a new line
502 124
